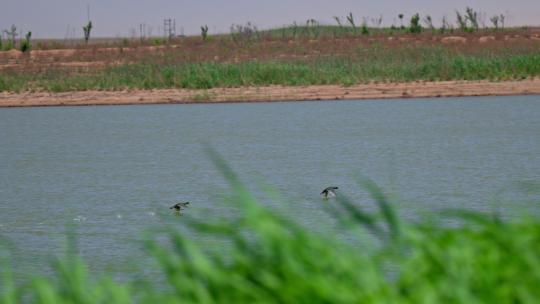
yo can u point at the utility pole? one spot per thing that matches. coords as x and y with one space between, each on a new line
142 31
169 28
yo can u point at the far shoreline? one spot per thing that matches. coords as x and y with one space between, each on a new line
274 93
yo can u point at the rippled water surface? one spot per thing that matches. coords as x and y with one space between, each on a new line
111 172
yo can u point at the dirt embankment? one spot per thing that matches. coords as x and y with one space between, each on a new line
273 93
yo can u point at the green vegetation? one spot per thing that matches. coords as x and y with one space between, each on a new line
12 36
307 53
204 32
472 17
369 63
159 41
415 26
364 28
240 34
271 259
25 44
467 22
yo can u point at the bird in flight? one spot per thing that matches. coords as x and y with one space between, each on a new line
179 206
329 192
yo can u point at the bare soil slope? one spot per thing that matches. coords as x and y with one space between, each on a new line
273 93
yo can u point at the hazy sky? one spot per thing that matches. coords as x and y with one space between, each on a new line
58 18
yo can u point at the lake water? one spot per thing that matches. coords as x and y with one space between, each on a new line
110 173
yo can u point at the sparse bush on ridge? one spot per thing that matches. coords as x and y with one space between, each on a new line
159 41
415 26
445 25
469 21
377 21
87 29
313 29
338 21
12 36
462 22
472 16
25 44
273 259
204 32
401 20
350 19
429 23
495 21
244 33
364 28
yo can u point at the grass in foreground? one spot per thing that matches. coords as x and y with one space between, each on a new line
367 64
272 259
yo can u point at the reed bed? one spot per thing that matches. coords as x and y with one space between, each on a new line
372 63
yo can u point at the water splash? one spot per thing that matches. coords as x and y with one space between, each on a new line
79 218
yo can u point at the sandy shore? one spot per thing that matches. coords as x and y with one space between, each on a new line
273 93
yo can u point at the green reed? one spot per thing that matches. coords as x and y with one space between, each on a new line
369 63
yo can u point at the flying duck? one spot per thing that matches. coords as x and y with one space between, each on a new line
179 206
329 192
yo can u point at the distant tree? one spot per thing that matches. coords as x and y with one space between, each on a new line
294 29
446 25
12 34
462 22
472 16
501 19
350 19
415 26
429 22
401 20
313 28
25 44
338 20
204 32
87 29
495 21
377 21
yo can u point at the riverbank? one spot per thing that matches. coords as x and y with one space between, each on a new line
273 93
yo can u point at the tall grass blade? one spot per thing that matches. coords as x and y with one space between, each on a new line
386 209
359 216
